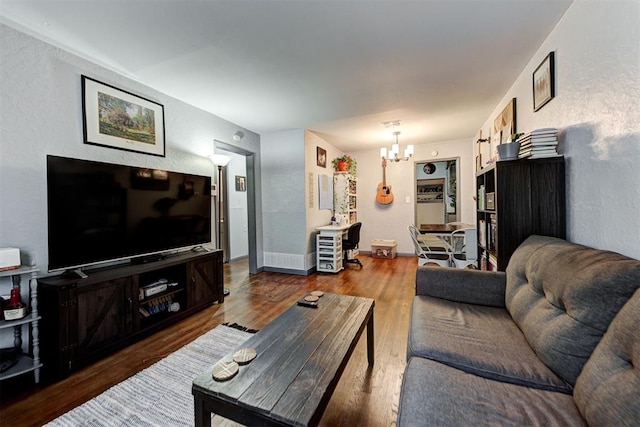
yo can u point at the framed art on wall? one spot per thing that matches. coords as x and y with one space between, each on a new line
118 119
321 157
544 82
241 183
504 124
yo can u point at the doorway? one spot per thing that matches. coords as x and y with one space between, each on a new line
249 186
436 192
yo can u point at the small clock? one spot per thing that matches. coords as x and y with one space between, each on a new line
429 168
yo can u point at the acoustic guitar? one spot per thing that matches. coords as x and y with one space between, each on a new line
384 196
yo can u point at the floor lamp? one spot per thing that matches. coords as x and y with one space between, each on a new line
220 160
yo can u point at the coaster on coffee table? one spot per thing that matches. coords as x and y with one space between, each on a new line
223 370
317 293
244 356
311 298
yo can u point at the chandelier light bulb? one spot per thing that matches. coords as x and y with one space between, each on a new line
394 154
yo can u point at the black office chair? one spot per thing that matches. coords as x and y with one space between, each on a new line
351 242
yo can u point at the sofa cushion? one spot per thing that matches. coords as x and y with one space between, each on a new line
434 394
563 297
608 389
478 339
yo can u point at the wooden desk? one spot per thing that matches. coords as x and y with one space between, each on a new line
442 229
443 232
300 358
333 229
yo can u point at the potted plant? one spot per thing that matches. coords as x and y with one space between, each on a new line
344 163
509 150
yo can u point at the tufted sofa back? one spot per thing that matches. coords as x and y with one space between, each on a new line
607 392
563 296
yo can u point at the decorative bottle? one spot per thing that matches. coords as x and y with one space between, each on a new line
15 309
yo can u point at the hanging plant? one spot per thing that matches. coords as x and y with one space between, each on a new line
344 163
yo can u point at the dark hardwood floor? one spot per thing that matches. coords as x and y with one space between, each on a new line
364 396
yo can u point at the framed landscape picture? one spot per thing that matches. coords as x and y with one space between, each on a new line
119 119
543 82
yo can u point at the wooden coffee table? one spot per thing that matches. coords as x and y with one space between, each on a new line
300 358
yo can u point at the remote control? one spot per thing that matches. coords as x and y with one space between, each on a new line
312 304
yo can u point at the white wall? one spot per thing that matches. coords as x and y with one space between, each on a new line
315 216
283 199
41 114
597 109
290 208
237 208
391 221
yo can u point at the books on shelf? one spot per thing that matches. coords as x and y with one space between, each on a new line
493 263
493 229
539 143
481 196
482 231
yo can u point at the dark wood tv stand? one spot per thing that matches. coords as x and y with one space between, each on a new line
85 319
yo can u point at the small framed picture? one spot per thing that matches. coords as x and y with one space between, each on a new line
544 82
321 157
118 119
241 183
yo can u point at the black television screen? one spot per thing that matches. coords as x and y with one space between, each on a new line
99 212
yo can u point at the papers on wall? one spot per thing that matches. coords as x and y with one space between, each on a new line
325 192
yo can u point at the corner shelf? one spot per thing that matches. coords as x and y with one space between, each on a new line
345 196
25 363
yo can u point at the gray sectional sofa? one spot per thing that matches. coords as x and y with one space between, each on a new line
554 341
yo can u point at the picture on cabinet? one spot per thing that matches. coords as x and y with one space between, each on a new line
118 119
543 82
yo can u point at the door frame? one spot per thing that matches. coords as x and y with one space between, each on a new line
415 180
251 202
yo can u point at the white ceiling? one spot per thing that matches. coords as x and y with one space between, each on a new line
338 68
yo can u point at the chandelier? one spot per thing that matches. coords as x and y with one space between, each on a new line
393 155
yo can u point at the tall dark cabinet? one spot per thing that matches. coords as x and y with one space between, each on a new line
85 319
515 200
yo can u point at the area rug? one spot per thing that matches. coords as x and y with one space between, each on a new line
159 395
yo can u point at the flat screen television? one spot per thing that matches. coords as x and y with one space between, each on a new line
102 212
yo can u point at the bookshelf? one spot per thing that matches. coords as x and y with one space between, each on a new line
516 199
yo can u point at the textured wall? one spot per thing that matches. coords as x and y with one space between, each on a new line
315 216
283 192
41 113
597 109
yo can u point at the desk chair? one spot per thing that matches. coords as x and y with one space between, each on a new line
465 247
351 243
425 254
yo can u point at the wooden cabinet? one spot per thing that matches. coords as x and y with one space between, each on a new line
515 200
102 317
84 319
205 277
24 362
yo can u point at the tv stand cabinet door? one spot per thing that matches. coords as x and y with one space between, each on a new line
104 317
205 281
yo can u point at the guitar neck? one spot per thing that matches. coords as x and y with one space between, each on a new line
384 172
